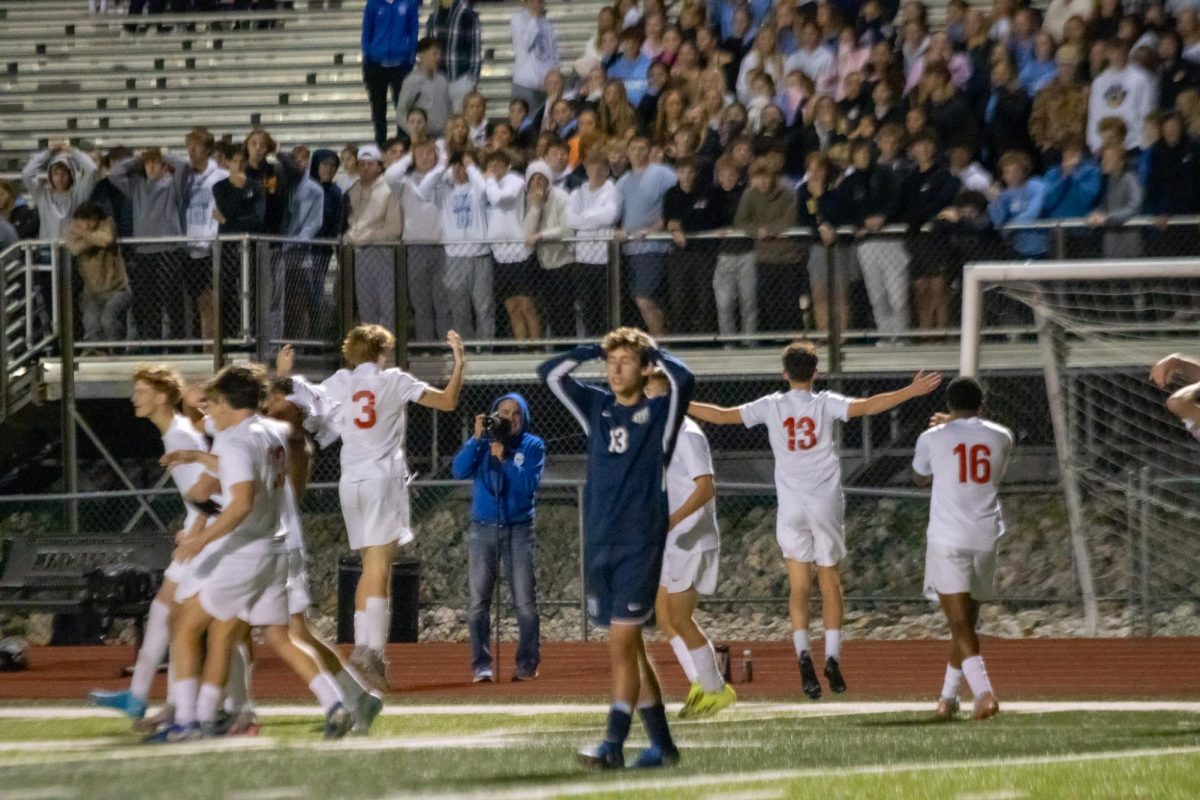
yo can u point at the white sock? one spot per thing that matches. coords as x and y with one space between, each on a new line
237 688
705 659
351 686
325 690
185 700
953 681
977 677
377 623
170 681
800 640
360 629
684 658
154 647
833 643
207 702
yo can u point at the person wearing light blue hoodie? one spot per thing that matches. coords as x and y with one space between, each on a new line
505 462
389 48
1020 202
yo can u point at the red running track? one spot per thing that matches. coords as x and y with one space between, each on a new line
1026 669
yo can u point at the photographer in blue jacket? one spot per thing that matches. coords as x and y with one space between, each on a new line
506 463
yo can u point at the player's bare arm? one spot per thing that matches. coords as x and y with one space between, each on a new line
1185 403
241 501
285 362
299 460
447 399
1172 367
201 457
705 490
922 480
922 384
715 415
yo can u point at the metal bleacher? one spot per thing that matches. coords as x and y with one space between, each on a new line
68 74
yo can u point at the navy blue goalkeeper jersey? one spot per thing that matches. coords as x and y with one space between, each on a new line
628 448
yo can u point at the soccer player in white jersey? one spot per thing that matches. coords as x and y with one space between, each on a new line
239 579
1183 403
157 392
964 458
373 486
808 482
690 562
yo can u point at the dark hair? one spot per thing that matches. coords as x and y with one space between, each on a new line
93 212
416 110
800 361
687 162
283 386
964 394
243 386
387 145
427 43
519 101
972 198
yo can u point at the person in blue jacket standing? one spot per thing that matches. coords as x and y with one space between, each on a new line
389 48
506 463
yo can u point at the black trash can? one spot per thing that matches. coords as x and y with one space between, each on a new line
406 598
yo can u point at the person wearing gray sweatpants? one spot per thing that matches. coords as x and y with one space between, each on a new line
461 196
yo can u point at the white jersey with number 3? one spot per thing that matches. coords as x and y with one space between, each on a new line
800 427
967 459
373 407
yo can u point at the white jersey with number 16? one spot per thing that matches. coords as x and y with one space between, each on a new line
373 408
967 459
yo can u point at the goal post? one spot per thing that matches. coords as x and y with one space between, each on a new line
1123 461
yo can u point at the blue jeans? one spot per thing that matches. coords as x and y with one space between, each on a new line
517 545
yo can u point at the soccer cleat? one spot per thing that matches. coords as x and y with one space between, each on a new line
986 706
833 674
366 709
654 756
808 677
244 724
483 676
163 719
174 734
689 706
520 675
709 704
605 755
947 710
122 701
338 722
371 667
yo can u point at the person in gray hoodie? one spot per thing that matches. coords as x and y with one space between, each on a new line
1122 200
156 271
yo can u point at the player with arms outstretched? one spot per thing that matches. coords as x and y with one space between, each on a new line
690 563
808 481
630 439
373 487
964 458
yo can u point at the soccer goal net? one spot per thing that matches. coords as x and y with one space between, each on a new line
1130 472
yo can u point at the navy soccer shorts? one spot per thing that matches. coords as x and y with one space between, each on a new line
622 582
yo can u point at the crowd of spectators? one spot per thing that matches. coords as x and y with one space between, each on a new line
841 119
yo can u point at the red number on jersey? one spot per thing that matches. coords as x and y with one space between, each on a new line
366 411
974 466
807 430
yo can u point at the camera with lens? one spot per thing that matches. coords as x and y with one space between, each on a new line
496 426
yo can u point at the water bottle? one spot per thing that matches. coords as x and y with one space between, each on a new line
747 667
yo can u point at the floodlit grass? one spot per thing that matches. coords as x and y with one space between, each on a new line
751 752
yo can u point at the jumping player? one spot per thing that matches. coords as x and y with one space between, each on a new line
808 482
690 564
630 439
964 458
1185 402
157 393
373 486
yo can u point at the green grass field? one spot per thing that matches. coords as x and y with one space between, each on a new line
752 751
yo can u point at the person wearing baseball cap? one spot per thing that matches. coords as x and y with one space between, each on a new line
375 218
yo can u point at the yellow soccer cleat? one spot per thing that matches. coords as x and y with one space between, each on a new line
710 704
695 695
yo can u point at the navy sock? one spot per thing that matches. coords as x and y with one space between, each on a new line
619 721
654 720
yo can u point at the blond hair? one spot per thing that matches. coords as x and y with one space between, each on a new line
161 379
628 338
366 343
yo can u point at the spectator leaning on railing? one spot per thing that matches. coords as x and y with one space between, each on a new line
105 299
375 218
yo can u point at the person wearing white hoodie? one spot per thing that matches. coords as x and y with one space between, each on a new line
422 236
545 224
535 49
1122 90
198 175
375 219
516 269
593 211
461 194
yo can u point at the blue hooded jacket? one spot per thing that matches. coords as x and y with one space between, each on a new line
515 479
389 33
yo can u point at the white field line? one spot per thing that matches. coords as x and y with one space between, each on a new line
61 744
632 787
131 751
39 793
999 794
280 793
537 709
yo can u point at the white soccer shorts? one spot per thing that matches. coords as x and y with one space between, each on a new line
252 588
958 570
298 598
683 569
813 531
376 512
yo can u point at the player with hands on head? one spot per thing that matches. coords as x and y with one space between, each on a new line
808 481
